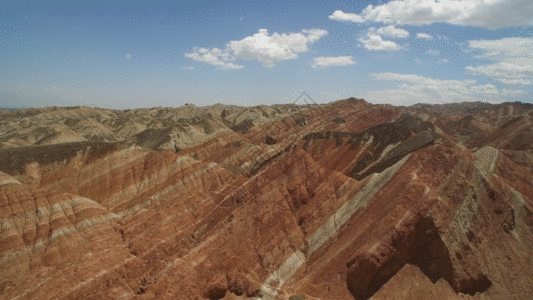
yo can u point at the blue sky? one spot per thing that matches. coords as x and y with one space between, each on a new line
130 54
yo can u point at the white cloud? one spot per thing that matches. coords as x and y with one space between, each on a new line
487 89
338 15
393 31
187 68
514 62
433 52
418 89
490 14
512 92
268 49
321 62
213 57
375 42
423 81
444 60
513 50
505 73
424 36
128 55
262 47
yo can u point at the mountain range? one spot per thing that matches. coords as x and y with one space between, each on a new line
343 200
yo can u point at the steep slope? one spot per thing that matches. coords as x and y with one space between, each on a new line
383 205
65 136
469 122
373 150
515 134
54 244
435 214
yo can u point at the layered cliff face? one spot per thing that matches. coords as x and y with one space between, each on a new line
359 201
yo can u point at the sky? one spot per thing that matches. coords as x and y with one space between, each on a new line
135 54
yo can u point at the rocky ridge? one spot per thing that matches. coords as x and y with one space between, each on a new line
387 204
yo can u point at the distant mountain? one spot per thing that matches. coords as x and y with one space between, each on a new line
155 128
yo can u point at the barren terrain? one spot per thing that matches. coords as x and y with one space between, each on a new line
345 200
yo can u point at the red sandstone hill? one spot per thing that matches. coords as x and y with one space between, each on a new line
345 200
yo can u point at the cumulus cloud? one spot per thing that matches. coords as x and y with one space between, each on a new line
423 81
260 46
393 31
57 89
505 73
375 42
419 89
268 49
215 57
187 68
424 36
339 15
512 92
513 63
487 89
322 62
491 14
514 50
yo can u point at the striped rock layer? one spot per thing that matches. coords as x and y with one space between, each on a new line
396 209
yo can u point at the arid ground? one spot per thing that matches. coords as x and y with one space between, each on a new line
345 200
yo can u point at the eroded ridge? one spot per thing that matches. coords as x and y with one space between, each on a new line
415 241
380 204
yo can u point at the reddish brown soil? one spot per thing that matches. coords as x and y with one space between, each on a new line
257 214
